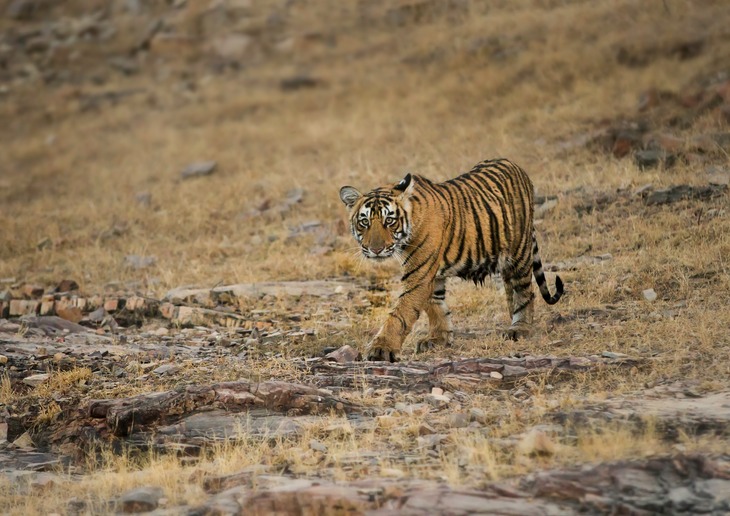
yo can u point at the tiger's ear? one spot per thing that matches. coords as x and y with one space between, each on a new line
405 186
349 195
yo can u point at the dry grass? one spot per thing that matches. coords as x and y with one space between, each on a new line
432 97
6 389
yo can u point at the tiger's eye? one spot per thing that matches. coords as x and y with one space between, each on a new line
363 223
389 221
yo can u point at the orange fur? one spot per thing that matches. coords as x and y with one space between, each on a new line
471 226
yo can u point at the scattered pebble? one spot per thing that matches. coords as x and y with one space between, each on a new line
649 294
141 499
36 379
458 420
165 369
478 415
315 445
437 400
198 169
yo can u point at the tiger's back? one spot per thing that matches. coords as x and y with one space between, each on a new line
487 211
474 225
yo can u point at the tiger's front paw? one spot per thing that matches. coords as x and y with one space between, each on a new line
517 332
431 342
379 351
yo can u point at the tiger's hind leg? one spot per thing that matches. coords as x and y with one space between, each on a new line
521 303
440 331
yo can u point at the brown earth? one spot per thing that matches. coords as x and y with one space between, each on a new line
181 303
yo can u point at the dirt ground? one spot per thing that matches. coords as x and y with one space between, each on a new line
182 304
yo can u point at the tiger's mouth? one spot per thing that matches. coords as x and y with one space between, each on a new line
380 255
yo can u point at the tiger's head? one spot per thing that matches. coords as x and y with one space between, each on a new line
380 219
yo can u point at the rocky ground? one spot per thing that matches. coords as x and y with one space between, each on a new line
184 381
182 306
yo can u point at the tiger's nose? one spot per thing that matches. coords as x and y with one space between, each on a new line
376 250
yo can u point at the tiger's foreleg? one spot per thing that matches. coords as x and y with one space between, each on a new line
440 332
414 299
521 303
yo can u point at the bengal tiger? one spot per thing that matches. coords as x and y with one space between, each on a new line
474 225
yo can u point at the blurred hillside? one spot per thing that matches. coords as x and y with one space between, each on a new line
104 102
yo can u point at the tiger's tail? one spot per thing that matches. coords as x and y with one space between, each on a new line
540 276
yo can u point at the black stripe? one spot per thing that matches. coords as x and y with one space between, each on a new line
479 233
415 248
502 207
408 274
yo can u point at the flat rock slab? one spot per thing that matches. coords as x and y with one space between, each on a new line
681 192
662 485
709 413
52 325
423 376
174 412
30 460
229 293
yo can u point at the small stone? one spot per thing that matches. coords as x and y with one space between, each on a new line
166 369
36 379
67 285
649 294
144 199
58 357
430 441
44 243
315 445
198 169
425 429
142 499
611 354
42 481
343 355
298 82
692 393
231 47
24 441
437 391
653 157
458 420
437 400
496 375
160 332
643 190
98 315
545 207
70 313
478 415
124 64
3 359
